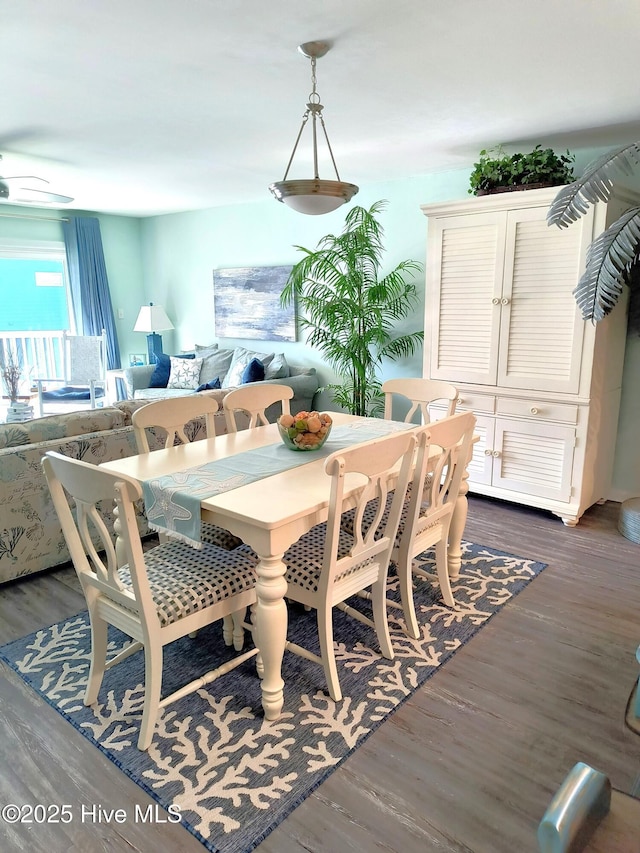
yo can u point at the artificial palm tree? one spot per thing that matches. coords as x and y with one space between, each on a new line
350 311
613 255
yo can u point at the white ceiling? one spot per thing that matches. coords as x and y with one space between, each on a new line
142 107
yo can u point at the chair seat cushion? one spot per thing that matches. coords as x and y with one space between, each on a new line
304 558
184 580
215 535
71 392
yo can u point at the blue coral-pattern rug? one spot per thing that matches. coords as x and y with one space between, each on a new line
231 775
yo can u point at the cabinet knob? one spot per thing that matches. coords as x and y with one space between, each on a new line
487 452
496 453
504 300
533 410
496 300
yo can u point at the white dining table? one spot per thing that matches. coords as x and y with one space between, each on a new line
269 514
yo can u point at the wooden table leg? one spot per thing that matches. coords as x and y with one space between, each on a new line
456 529
271 616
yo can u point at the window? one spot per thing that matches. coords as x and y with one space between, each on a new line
34 289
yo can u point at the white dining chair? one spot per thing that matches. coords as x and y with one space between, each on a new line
174 415
421 393
155 597
326 565
253 400
444 450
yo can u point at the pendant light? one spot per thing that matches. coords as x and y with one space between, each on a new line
313 196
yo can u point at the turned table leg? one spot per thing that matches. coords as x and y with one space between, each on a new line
271 619
456 529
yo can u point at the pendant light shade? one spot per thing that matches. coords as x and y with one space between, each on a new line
313 196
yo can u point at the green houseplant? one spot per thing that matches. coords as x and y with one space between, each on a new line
497 171
350 310
613 257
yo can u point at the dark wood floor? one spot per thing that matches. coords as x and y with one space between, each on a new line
469 763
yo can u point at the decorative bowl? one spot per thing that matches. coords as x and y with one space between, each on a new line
304 431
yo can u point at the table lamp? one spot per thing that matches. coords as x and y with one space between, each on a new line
153 318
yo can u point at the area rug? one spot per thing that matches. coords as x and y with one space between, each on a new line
231 775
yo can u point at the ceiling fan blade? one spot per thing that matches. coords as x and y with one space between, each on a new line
25 178
26 194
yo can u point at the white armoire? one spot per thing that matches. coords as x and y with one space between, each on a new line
501 323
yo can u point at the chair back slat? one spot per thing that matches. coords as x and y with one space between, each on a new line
94 492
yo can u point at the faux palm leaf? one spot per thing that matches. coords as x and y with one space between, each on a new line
593 186
609 260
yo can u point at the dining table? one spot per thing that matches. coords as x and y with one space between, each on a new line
269 511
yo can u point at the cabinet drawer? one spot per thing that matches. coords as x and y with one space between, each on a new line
470 402
542 409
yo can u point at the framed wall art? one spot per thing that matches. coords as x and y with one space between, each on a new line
247 304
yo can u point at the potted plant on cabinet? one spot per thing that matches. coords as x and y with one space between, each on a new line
350 310
497 171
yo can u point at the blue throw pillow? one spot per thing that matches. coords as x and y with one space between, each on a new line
253 372
209 386
160 376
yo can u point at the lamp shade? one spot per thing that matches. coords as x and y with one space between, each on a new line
152 318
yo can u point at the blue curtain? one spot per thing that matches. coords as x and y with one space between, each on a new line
89 284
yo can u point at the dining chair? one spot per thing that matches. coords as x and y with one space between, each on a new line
157 596
426 514
421 393
173 415
253 399
326 565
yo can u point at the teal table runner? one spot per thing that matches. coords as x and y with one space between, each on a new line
172 502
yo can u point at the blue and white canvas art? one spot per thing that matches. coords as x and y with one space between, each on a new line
247 304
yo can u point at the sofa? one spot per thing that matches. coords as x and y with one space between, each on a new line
216 371
30 536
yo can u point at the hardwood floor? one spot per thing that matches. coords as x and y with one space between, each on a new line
469 763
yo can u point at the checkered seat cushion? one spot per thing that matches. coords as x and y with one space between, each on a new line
184 580
304 558
215 535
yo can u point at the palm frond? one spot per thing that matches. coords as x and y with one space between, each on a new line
609 258
594 185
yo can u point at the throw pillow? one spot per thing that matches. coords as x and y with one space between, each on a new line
185 372
209 386
200 348
277 367
253 372
241 358
216 363
162 370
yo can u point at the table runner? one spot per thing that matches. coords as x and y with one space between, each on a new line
172 502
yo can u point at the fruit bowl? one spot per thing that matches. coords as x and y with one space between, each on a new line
304 431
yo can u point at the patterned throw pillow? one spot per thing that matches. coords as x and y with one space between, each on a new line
162 370
185 373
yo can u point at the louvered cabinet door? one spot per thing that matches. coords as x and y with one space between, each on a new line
533 458
465 265
541 331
